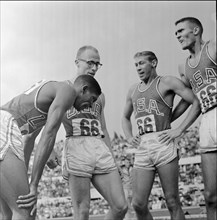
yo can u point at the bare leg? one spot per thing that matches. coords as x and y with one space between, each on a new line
142 185
128 197
169 179
209 170
80 193
110 187
5 211
13 182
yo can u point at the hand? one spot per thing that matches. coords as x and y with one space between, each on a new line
54 160
28 201
134 141
167 136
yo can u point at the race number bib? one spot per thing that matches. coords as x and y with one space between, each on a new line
86 127
207 97
146 124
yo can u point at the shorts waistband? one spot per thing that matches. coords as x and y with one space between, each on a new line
152 134
9 115
77 137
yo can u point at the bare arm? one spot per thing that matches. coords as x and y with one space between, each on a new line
54 160
106 139
182 106
29 143
62 101
126 120
186 94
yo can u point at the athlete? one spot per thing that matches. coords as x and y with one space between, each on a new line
87 154
199 74
151 100
43 105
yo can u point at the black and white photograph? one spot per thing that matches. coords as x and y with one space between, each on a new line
108 110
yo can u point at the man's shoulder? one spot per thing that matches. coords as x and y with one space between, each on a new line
62 88
167 79
168 82
133 87
64 84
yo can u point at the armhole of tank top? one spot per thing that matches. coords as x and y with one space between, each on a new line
158 81
203 48
185 66
36 96
207 52
101 102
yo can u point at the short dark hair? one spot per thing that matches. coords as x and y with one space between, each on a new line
91 82
151 56
84 48
193 21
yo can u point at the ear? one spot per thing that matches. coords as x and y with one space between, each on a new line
154 63
76 62
84 89
196 30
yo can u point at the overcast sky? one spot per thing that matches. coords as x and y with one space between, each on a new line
39 40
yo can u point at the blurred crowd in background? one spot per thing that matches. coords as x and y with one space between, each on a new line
54 198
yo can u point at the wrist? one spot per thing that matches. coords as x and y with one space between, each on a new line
34 184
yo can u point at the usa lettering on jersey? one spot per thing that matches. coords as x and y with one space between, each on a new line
95 111
199 81
140 106
205 88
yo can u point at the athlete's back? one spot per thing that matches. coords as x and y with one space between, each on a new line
25 110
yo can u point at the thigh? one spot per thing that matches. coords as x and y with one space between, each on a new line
208 135
110 187
169 175
142 182
5 211
80 189
13 182
209 170
79 156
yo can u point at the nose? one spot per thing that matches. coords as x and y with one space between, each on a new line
138 67
178 35
94 68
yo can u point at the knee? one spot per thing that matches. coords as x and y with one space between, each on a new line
121 209
173 202
139 206
210 198
82 209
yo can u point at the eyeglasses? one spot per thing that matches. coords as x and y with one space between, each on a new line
92 63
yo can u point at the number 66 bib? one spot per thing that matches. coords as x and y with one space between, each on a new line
146 124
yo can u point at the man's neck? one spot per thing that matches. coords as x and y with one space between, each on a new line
150 79
195 50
